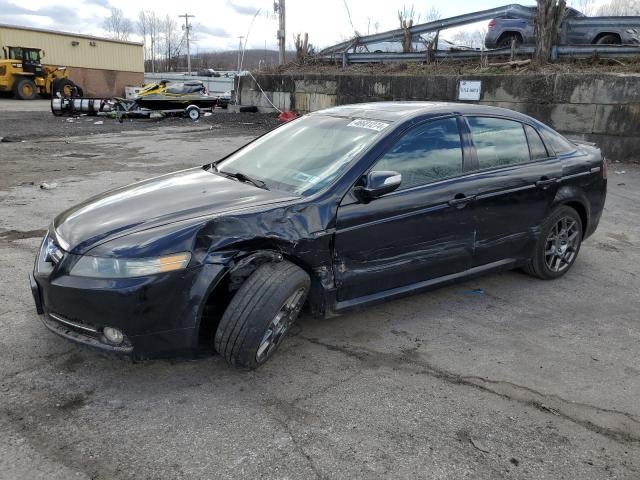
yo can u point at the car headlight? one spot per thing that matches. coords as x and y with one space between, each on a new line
100 267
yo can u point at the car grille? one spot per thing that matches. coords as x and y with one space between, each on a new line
79 327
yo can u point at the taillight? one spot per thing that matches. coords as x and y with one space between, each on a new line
605 168
492 24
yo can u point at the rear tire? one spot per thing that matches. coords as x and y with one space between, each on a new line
25 89
260 314
608 40
558 245
193 113
505 41
65 87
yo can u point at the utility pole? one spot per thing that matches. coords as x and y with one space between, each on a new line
239 51
282 31
187 30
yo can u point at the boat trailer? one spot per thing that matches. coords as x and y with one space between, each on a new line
118 108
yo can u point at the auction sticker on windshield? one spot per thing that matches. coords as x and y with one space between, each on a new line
370 124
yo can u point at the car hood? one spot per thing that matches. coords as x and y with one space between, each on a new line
158 201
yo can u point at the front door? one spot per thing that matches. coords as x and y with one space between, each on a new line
516 182
421 231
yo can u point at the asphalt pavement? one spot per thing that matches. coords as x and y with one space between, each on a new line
504 376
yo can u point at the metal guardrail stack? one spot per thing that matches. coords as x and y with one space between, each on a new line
340 51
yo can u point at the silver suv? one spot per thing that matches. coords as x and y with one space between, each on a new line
502 31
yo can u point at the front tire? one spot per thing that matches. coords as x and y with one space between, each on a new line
558 245
25 89
260 314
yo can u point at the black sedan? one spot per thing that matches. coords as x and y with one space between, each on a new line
338 209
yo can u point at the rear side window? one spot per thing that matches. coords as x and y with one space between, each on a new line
536 146
557 142
425 154
498 142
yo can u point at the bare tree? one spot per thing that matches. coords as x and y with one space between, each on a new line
468 38
149 28
432 15
406 17
431 39
153 29
620 8
588 7
171 43
303 47
547 26
142 25
118 26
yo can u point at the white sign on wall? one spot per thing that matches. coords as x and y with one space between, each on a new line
469 90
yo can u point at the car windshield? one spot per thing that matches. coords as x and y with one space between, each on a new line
304 155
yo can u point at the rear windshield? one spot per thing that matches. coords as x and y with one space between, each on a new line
306 154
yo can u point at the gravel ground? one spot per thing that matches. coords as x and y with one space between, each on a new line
38 122
504 376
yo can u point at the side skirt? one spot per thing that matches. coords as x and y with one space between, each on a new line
425 285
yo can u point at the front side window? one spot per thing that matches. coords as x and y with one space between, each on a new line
498 142
32 55
425 154
306 154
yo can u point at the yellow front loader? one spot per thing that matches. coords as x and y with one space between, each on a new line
22 74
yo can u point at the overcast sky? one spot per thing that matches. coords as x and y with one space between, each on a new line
218 23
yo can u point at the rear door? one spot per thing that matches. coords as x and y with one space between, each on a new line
422 231
517 179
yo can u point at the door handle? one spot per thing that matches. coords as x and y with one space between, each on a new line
461 200
545 182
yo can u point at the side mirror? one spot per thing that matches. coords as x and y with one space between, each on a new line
379 183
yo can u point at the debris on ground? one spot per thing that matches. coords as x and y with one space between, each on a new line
287 116
20 126
475 291
479 445
48 186
620 172
99 122
542 406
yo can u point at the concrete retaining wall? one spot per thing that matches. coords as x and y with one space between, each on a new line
603 108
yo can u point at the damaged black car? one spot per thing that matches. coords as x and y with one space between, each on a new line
338 209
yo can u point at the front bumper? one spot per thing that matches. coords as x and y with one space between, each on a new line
157 314
83 334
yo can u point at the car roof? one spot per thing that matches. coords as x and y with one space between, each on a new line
394 111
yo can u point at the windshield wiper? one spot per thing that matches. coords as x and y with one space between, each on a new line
239 176
213 166
244 178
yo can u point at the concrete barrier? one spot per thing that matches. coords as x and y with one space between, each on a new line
603 108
